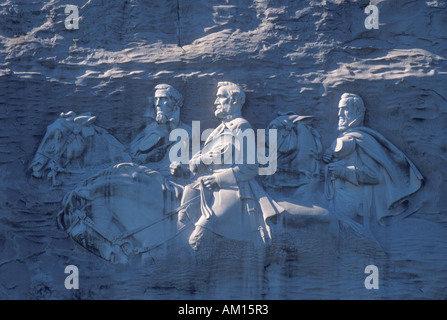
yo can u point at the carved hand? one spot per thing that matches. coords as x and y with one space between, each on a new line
328 156
210 182
336 170
177 169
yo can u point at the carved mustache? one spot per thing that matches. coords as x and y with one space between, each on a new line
161 117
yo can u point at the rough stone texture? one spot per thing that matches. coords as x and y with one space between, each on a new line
288 55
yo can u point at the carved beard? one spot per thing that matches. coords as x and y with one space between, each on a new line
223 111
346 123
219 113
173 118
343 124
161 118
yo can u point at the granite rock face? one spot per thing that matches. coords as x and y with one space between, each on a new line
298 56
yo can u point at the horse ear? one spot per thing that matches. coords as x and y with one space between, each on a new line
87 129
90 121
84 120
83 125
67 114
303 119
287 113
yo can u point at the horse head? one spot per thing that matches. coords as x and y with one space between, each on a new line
299 149
64 141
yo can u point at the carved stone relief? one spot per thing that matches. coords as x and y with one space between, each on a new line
367 180
320 158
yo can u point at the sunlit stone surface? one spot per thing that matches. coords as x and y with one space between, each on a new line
288 56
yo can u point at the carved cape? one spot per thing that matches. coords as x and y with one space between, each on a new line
385 175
